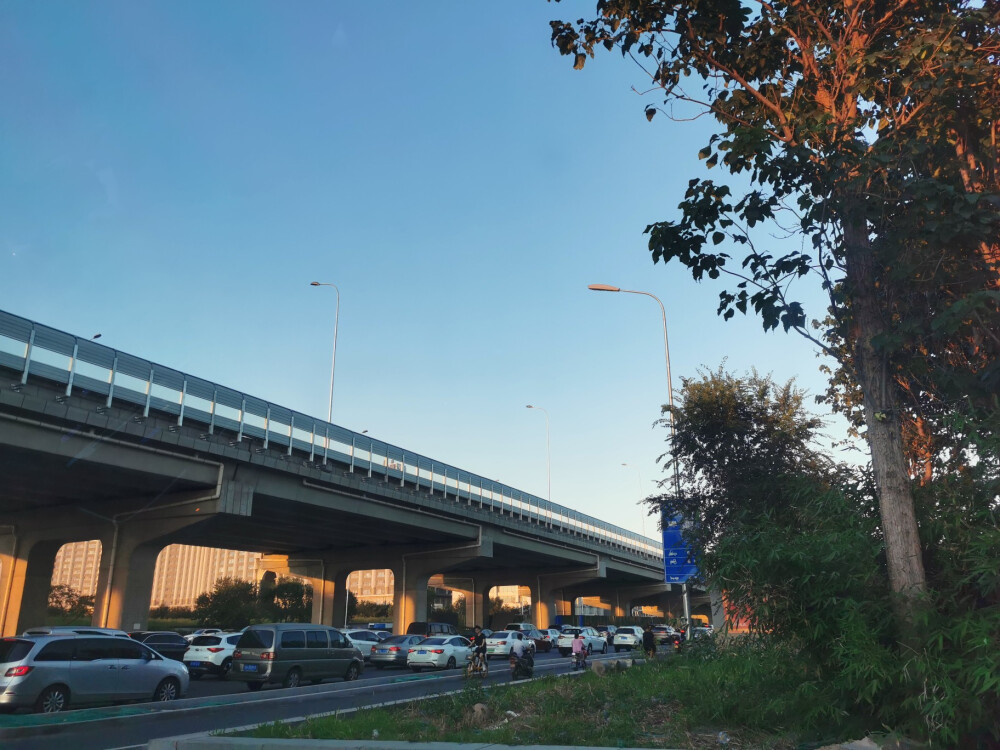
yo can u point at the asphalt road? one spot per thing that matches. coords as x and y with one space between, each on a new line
213 704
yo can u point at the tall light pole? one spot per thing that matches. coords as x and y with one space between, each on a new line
639 479
670 403
333 361
548 455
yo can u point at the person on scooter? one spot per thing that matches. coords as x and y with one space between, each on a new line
522 664
579 652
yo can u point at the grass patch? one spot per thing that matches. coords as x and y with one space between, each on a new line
758 697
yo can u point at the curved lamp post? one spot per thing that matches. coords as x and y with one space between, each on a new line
333 361
670 399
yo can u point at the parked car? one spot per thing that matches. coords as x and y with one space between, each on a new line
607 632
499 643
366 641
441 652
541 642
52 672
171 645
211 654
551 635
524 627
430 629
74 630
628 637
666 634
392 652
291 652
591 638
201 631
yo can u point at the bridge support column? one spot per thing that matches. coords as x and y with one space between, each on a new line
128 562
26 565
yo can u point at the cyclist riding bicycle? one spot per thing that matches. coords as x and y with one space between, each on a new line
479 645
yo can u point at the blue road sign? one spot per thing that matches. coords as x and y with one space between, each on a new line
678 560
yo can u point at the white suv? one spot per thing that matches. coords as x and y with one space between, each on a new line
211 654
628 637
592 641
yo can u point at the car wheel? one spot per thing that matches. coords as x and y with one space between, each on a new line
618 649
451 663
590 649
604 648
227 664
168 690
53 699
293 679
353 673
253 687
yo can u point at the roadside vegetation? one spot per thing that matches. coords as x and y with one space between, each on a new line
756 695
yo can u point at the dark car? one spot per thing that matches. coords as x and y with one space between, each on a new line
169 644
542 642
431 629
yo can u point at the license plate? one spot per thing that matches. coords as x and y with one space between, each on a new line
249 667
421 652
194 663
382 651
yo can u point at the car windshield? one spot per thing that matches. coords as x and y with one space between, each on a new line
394 639
206 640
571 631
256 639
432 642
12 649
501 636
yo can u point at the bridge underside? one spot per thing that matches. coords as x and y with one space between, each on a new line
140 483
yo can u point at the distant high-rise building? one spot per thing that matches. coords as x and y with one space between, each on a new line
182 572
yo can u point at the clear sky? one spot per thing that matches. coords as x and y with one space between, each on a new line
174 174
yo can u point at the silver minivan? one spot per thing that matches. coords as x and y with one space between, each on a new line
292 653
52 672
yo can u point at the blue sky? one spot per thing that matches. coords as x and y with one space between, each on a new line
174 174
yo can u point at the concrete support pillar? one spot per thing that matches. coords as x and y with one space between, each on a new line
409 597
128 562
26 565
336 583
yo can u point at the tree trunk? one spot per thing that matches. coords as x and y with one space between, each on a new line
882 418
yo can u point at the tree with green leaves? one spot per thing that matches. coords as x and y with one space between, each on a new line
231 604
868 129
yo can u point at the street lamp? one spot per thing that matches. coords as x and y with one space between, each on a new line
548 455
333 362
670 399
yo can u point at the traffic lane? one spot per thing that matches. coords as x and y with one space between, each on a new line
211 686
203 715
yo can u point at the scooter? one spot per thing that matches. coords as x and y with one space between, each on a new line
523 667
580 660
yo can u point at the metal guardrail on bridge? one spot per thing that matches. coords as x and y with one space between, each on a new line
50 354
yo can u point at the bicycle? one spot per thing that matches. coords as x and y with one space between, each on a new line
477 666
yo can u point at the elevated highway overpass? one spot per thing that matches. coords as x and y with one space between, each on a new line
99 444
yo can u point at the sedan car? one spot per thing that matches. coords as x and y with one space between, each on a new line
365 640
52 672
628 637
211 654
666 634
542 643
392 652
171 645
591 638
439 652
501 643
